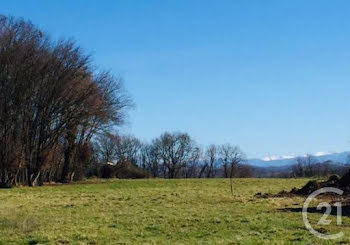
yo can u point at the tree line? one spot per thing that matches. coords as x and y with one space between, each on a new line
309 167
58 115
171 155
305 167
52 102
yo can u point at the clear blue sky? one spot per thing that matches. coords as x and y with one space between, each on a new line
270 76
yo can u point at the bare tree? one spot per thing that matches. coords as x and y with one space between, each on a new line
231 157
298 168
105 147
226 154
211 155
309 165
305 166
176 150
52 103
191 168
127 149
150 159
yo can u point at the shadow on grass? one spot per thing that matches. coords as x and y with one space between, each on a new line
345 210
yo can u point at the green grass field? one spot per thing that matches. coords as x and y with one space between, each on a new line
195 211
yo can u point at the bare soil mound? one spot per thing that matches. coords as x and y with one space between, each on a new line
313 185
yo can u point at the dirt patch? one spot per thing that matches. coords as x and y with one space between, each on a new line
313 185
269 195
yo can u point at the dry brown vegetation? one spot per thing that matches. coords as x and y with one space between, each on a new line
52 102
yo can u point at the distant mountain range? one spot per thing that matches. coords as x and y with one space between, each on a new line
342 157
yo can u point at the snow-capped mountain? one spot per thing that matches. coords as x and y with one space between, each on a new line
277 161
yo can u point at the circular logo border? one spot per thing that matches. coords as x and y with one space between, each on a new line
306 205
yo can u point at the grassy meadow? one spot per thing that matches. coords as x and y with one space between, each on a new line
157 211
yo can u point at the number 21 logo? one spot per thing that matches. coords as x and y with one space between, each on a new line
324 219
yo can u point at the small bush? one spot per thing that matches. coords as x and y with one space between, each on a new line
123 170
